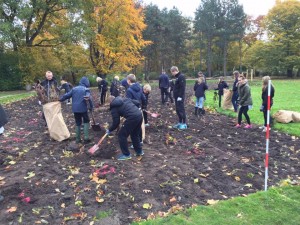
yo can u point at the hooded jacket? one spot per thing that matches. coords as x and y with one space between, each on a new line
79 104
135 92
124 107
244 94
179 86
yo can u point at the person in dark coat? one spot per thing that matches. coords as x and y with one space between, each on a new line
102 87
115 87
80 95
3 119
50 86
163 86
67 87
134 91
264 97
221 85
129 109
179 96
146 91
170 91
199 88
235 93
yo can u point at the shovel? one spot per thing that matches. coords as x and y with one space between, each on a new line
154 115
93 149
95 126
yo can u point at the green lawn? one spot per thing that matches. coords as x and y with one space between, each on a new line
286 98
12 96
276 206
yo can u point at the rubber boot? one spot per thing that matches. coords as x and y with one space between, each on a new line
199 112
203 111
77 131
196 110
86 127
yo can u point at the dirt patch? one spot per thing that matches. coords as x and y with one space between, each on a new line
210 160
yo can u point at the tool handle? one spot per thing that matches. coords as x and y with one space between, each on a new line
87 103
100 141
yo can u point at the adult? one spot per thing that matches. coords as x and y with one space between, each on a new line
264 97
179 96
127 108
3 119
245 101
163 86
235 93
115 87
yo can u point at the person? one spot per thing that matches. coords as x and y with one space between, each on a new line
200 74
115 87
146 91
199 88
221 85
67 87
3 119
163 86
102 86
235 94
179 96
264 97
170 91
245 101
50 87
80 95
129 109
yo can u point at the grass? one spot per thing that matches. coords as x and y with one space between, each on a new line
12 96
279 205
285 98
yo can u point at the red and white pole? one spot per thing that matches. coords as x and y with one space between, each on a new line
268 136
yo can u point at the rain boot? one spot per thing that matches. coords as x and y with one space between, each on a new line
86 127
77 131
199 112
196 111
203 111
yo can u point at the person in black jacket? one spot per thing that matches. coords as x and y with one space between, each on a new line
134 91
170 91
67 87
146 91
102 87
199 88
221 85
115 87
127 108
264 97
235 94
50 87
179 96
164 86
3 119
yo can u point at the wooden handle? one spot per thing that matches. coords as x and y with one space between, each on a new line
100 141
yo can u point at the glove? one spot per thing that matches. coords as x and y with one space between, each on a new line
179 99
107 132
261 108
40 103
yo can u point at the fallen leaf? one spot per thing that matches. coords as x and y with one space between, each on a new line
12 163
237 178
212 202
196 180
204 175
173 200
147 206
147 191
239 215
11 209
29 175
248 185
100 200
63 205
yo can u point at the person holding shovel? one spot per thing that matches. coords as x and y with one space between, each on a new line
129 109
79 95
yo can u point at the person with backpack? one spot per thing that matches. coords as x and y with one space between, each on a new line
164 86
199 88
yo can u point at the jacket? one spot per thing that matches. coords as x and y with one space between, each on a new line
171 85
102 85
135 92
200 89
264 97
163 81
124 83
66 86
124 107
3 117
234 86
179 86
221 86
48 84
244 94
115 88
79 104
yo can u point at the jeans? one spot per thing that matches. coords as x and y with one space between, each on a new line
234 99
243 110
199 102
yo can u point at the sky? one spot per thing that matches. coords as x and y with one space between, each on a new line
188 7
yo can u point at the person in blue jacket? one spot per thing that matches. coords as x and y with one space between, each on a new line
164 87
80 95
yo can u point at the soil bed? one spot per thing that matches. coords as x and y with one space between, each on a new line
210 160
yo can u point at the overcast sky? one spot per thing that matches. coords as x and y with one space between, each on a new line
188 7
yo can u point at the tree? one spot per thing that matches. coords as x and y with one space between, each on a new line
283 26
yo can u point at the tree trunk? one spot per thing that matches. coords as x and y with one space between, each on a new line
209 56
225 58
298 73
240 55
73 78
289 72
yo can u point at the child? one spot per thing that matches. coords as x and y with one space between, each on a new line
199 88
221 85
67 87
245 101
102 86
127 108
80 94
115 87
264 97
3 120
146 91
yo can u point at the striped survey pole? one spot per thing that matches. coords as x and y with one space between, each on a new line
268 136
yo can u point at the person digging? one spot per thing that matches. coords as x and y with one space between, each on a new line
79 95
129 109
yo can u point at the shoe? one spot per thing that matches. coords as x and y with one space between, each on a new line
177 125
182 126
124 157
131 146
238 126
140 154
147 125
265 129
248 126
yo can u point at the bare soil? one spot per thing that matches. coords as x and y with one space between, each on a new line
43 183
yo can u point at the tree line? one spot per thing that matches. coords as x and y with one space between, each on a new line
74 38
